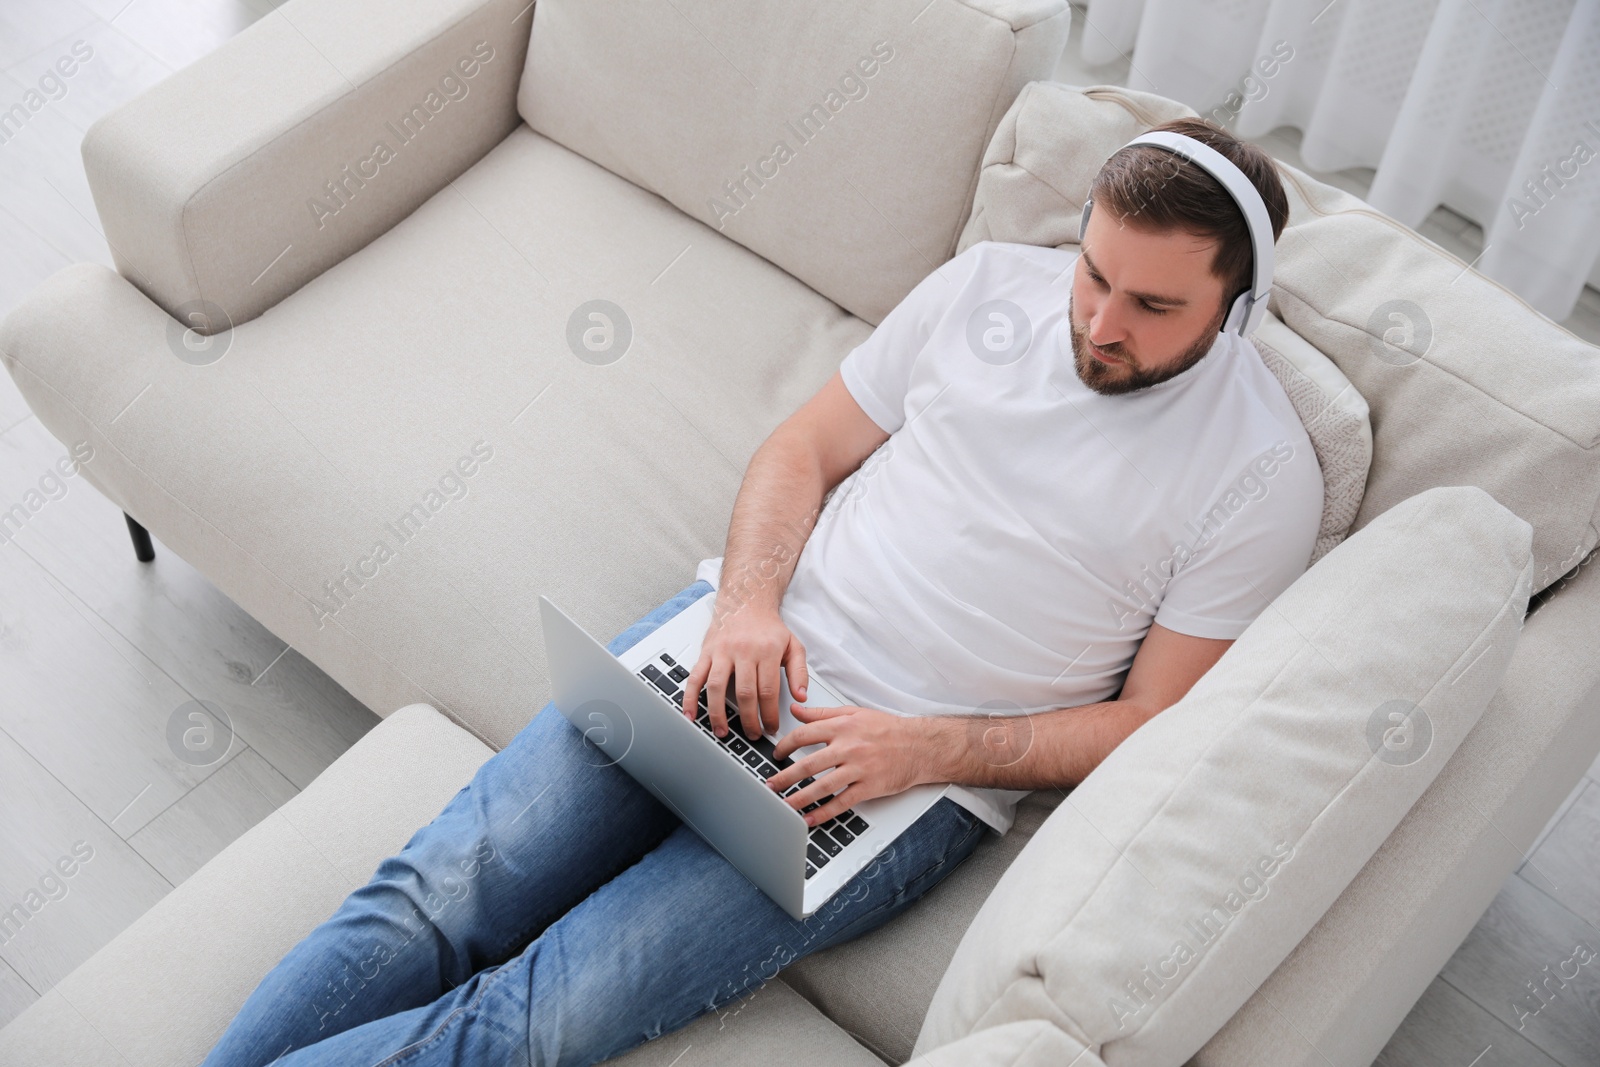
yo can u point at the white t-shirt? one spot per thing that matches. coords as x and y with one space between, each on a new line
1006 549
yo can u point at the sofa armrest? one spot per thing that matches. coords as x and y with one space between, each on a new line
1175 878
233 182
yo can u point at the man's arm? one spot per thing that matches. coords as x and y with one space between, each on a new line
1061 747
808 454
879 753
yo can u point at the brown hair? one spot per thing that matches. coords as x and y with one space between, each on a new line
1155 189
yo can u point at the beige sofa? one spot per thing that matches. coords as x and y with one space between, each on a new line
364 320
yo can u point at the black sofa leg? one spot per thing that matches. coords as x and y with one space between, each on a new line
142 548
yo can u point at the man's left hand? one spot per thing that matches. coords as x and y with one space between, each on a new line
869 753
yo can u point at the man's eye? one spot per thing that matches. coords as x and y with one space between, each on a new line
1145 304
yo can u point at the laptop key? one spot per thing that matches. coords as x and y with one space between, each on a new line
816 855
856 824
752 758
669 661
842 833
826 843
810 870
678 673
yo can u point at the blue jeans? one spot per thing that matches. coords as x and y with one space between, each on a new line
555 912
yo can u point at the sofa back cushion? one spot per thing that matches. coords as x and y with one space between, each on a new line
1336 418
840 141
1466 383
1169 884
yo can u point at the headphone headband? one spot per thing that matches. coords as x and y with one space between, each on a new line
1250 307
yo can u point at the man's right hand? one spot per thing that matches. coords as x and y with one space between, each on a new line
751 646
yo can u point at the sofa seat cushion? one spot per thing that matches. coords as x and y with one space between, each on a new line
771 1025
436 394
878 986
163 990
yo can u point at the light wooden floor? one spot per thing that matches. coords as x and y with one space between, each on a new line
98 652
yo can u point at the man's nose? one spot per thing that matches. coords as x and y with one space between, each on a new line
1105 326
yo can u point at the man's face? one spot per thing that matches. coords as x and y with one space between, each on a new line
1144 306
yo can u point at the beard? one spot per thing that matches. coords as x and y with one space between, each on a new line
1124 377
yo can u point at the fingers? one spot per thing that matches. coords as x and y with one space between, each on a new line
842 801
796 660
805 767
813 714
692 684
819 790
822 792
716 696
744 689
813 727
794 772
769 687
799 737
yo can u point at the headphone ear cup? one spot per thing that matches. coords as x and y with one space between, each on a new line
1083 220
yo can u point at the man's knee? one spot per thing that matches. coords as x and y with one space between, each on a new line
338 992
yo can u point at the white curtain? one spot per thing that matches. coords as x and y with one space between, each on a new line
1490 107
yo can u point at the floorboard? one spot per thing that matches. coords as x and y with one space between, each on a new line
243 791
1535 966
1563 866
15 994
1447 1029
68 882
280 705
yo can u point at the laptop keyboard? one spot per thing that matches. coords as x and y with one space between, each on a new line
829 838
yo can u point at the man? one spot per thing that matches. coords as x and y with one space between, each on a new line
1016 547
1078 494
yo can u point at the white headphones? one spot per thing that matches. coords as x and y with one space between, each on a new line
1250 307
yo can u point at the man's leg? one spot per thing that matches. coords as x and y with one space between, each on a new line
676 935
540 826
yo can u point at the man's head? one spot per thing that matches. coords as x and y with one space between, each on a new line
1166 252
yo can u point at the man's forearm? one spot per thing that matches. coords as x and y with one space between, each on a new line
1040 751
778 503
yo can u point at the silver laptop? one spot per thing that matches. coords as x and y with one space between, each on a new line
631 708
